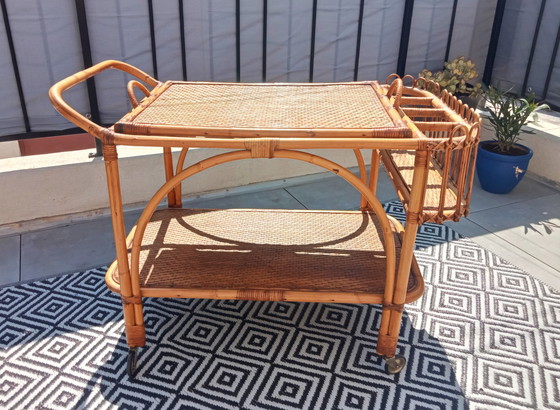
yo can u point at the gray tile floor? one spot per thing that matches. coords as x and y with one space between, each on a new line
522 227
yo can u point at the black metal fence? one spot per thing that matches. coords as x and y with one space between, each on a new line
524 49
493 59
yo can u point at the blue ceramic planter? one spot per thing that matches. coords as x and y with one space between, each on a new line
499 173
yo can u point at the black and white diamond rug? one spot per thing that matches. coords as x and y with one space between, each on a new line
485 335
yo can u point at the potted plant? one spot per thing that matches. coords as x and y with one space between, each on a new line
455 79
502 162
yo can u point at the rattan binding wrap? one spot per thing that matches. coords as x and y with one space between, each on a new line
175 107
257 250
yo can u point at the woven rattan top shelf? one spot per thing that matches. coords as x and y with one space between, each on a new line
335 256
358 109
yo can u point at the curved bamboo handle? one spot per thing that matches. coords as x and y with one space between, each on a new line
130 89
396 88
55 93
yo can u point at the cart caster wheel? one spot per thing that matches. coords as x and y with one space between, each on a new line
131 363
394 365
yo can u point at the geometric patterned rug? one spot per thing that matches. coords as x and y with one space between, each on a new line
485 335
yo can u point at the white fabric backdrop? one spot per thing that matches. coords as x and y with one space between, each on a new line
48 47
514 48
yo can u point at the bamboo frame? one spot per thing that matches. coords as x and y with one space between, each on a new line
174 197
363 175
452 137
55 94
133 317
239 143
152 204
433 128
179 168
374 171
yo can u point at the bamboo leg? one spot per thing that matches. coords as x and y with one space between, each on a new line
392 310
131 298
374 171
363 176
168 163
178 187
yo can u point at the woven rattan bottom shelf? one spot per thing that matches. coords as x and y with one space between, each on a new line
305 256
437 207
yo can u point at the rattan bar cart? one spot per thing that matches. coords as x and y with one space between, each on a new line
426 140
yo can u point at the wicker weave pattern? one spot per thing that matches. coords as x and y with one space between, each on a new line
404 160
334 251
230 105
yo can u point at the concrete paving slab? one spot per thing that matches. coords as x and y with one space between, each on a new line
269 199
532 226
513 254
66 249
528 188
467 228
9 259
335 193
130 219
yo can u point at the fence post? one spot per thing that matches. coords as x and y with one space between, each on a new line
533 47
551 65
405 36
451 28
15 66
90 83
313 30
494 38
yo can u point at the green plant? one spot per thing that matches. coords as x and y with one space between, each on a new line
508 114
455 76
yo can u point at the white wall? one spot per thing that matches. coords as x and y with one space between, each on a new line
9 149
54 185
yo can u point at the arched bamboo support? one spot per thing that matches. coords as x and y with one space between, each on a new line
373 202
